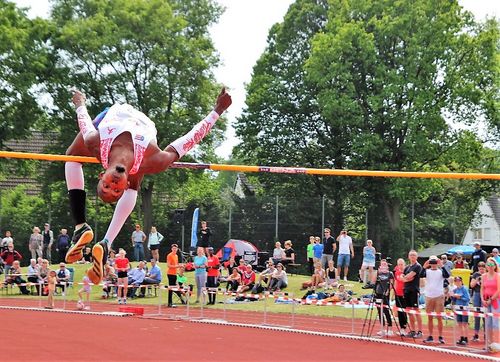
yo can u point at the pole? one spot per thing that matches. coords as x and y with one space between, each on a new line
230 221
366 224
322 214
276 220
182 236
412 224
454 221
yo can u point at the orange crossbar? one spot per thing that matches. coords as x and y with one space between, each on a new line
272 169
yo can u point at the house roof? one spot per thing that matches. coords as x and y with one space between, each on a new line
437 249
494 202
247 187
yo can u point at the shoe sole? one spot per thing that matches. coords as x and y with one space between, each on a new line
96 273
75 253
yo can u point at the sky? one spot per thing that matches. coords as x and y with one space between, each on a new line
240 37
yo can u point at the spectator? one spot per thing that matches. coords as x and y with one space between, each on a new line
87 256
460 262
447 264
478 255
247 280
109 280
138 238
111 258
153 277
289 254
63 277
62 244
204 237
85 290
278 253
122 265
44 273
368 263
264 276
228 267
399 296
9 256
329 248
242 267
182 283
34 275
346 252
212 275
135 278
279 279
310 254
318 251
6 240
460 297
154 241
318 277
172 276
35 243
200 272
494 255
341 294
15 277
233 280
383 281
435 275
475 286
411 278
48 240
331 275
51 289
490 292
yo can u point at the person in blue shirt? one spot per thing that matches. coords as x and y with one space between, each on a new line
200 262
460 297
153 277
317 250
135 278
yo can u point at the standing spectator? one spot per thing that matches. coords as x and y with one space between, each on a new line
399 296
329 248
122 265
204 236
435 275
212 274
478 255
6 240
289 254
318 252
475 286
279 279
34 275
154 241
35 243
490 297
48 240
494 255
153 277
460 297
247 280
172 267
9 256
63 277
447 264
460 262
138 238
62 244
310 254
411 278
200 272
85 290
346 252
368 263
278 253
51 289
383 282
44 271
15 277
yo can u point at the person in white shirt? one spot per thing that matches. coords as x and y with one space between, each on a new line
346 252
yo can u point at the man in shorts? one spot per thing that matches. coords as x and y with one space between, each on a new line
124 140
411 278
435 275
346 252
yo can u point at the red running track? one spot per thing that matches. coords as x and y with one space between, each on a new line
44 336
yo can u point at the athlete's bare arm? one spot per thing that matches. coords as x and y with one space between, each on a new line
89 146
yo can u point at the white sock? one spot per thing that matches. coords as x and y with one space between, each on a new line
85 122
124 208
74 176
185 143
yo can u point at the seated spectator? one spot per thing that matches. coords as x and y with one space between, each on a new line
341 295
227 268
135 278
109 281
317 279
460 262
332 278
15 277
87 256
182 283
289 254
9 256
34 275
278 253
233 281
242 267
247 280
279 279
63 277
153 277
111 258
264 276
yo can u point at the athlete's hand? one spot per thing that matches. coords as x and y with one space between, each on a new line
78 98
223 101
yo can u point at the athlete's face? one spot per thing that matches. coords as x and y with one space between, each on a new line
111 185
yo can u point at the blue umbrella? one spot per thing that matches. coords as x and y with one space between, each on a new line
464 249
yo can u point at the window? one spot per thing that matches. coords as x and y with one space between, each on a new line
478 234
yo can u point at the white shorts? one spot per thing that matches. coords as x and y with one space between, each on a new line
368 264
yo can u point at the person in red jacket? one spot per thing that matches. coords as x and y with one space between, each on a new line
8 256
212 274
